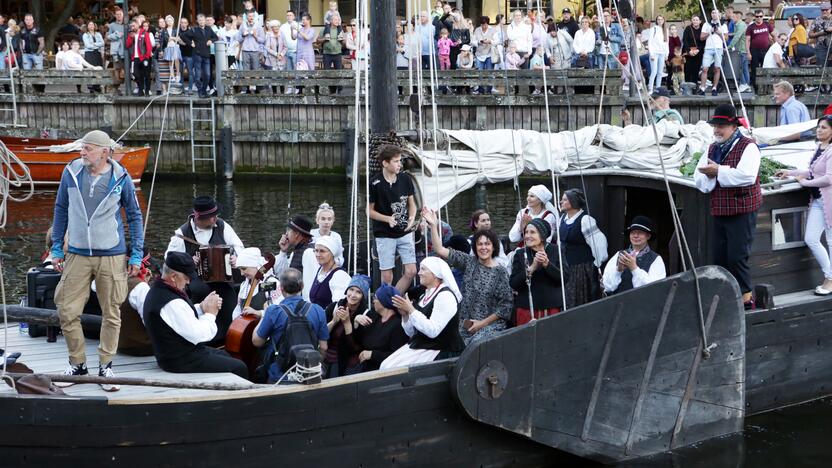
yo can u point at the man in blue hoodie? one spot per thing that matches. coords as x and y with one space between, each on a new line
93 191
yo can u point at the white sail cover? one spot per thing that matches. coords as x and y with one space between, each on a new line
491 156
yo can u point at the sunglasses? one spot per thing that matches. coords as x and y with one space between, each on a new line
759 16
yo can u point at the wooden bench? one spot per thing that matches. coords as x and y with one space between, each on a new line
66 81
800 77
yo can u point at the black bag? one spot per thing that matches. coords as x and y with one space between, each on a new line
297 335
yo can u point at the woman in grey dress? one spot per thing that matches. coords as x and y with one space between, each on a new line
486 296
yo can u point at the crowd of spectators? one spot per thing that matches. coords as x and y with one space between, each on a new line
667 54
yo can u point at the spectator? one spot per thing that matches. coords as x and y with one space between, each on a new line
69 31
692 47
538 62
438 9
333 43
61 55
378 333
568 22
636 266
306 36
460 35
485 38
172 53
443 49
584 247
465 60
426 32
539 34
229 35
820 31
739 44
289 41
331 13
248 7
583 46
251 38
443 22
115 36
93 46
187 50
140 45
520 32
774 56
798 41
513 59
559 48
673 40
271 47
611 37
791 110
657 44
535 272
202 38
358 47
33 44
677 70
72 59
714 35
761 37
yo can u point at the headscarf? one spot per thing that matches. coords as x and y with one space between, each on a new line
333 246
385 294
543 227
361 282
250 258
545 196
440 268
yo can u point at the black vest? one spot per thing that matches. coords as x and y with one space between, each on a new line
258 300
575 248
217 236
643 262
448 339
170 348
297 256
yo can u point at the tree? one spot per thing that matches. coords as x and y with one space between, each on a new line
50 28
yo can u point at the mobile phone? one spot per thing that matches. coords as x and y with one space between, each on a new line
467 323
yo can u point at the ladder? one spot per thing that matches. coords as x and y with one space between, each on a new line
8 80
200 118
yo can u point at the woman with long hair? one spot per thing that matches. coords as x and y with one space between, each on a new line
818 178
172 53
460 35
93 50
658 47
799 47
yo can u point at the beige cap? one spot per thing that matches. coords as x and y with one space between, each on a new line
98 138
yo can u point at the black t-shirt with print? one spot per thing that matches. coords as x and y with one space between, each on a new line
391 199
30 39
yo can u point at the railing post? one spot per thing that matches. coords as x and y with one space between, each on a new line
221 62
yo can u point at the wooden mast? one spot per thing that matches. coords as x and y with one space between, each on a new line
383 86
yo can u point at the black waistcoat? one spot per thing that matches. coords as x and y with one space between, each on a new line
448 339
217 236
168 346
643 262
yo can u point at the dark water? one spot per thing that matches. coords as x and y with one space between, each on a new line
793 437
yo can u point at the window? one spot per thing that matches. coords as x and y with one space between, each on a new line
787 228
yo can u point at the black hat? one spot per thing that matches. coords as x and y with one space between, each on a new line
642 223
458 242
205 207
661 91
566 10
181 263
724 114
301 224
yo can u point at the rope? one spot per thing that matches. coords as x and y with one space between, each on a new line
300 373
433 108
362 24
420 95
731 66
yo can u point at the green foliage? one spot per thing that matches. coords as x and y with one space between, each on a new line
690 167
684 9
768 167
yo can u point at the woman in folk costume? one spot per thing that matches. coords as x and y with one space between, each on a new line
538 205
250 261
323 279
584 248
432 322
537 265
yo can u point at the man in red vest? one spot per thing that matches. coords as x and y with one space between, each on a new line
730 174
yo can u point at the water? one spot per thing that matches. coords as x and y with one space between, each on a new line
793 437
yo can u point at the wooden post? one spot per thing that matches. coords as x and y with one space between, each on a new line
383 86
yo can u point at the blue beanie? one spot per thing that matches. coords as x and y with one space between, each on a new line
361 282
385 294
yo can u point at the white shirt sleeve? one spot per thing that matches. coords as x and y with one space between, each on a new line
596 239
176 244
281 263
704 183
657 272
137 296
232 239
179 316
746 171
516 234
310 270
338 285
444 309
612 277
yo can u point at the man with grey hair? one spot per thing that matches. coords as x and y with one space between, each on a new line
791 110
94 191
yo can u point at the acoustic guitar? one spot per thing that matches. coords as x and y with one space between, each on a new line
238 339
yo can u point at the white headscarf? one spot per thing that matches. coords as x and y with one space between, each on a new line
250 257
333 246
438 267
545 196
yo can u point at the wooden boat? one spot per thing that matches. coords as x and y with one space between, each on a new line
46 166
621 378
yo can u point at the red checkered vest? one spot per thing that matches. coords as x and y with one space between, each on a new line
729 201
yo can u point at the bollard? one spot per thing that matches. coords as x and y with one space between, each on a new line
309 358
221 65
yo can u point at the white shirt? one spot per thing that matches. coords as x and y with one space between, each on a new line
516 233
714 41
337 284
273 297
137 296
744 174
444 309
203 236
656 42
769 61
316 233
179 316
612 277
584 42
232 46
286 36
521 35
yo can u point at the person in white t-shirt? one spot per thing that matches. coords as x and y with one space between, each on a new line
774 54
714 34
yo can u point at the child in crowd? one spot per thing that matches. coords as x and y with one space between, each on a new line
677 67
325 218
537 63
333 10
443 48
465 59
513 59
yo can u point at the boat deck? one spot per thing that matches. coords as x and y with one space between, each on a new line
51 358
804 297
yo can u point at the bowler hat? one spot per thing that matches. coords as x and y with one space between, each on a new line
641 223
724 114
205 206
301 224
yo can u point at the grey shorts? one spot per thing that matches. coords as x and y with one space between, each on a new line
387 247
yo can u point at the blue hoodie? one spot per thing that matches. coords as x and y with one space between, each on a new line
102 234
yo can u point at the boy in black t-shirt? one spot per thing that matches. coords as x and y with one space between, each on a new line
393 208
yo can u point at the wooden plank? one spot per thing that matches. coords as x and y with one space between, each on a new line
599 376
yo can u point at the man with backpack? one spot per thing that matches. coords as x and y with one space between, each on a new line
290 326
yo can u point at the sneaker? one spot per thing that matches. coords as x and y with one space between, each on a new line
714 92
73 369
108 373
474 92
700 92
811 89
536 92
211 91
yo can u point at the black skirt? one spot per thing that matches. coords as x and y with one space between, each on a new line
94 58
